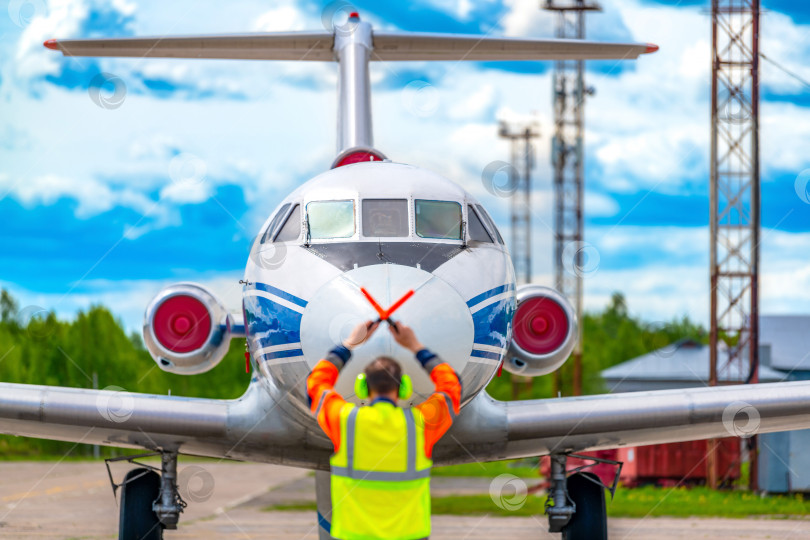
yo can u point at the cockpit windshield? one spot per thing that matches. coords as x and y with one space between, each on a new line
438 219
330 219
385 217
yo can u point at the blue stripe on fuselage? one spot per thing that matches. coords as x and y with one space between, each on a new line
278 292
492 323
282 354
485 354
489 294
270 322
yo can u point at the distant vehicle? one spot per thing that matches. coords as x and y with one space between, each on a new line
388 228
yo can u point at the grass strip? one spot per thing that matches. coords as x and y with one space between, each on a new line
638 502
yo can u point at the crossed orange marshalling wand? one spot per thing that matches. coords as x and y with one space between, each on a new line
385 314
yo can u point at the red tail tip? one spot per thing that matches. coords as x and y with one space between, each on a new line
651 47
354 15
51 44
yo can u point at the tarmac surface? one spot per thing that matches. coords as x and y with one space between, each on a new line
72 500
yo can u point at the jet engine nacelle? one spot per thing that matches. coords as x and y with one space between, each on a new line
544 332
187 330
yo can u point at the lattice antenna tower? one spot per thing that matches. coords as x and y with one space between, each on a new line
734 196
567 153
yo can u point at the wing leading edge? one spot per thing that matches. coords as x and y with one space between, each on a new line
491 430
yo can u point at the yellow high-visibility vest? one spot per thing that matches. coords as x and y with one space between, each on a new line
380 474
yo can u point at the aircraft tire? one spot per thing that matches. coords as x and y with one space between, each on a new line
137 520
589 522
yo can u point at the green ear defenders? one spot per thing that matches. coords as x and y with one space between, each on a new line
361 387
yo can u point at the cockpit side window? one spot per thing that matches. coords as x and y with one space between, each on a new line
330 219
385 217
292 227
476 229
438 219
273 227
489 223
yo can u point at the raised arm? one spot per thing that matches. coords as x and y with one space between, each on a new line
441 407
325 402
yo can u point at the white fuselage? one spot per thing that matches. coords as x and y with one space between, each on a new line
302 295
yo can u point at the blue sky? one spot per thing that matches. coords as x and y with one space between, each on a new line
94 210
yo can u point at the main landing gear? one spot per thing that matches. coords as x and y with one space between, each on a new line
150 501
576 504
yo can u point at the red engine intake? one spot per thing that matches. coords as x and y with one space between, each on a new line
186 329
544 332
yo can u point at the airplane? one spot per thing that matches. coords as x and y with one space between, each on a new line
371 228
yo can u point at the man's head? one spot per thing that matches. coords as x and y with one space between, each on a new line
383 376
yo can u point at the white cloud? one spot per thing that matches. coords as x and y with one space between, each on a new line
478 105
787 43
600 205
670 286
186 192
784 131
158 146
62 18
92 195
460 9
524 19
285 16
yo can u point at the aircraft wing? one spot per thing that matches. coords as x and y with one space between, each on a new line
252 427
317 46
256 428
488 429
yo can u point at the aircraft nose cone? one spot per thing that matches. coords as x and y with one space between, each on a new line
437 313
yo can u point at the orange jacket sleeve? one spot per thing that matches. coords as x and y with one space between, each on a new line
326 403
441 408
